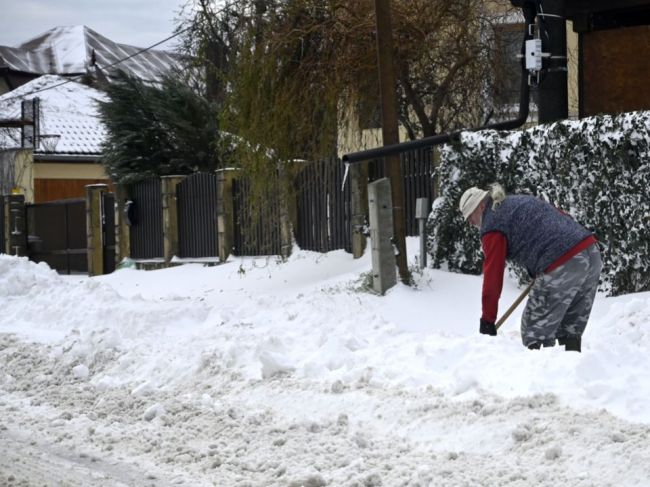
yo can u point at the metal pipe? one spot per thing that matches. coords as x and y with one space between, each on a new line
524 99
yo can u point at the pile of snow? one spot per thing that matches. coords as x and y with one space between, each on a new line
296 374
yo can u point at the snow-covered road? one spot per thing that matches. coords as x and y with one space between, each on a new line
257 373
58 430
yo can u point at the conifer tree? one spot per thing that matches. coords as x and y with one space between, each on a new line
157 130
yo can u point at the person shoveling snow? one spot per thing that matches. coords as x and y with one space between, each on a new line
559 253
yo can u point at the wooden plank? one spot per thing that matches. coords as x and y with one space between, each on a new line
60 189
614 76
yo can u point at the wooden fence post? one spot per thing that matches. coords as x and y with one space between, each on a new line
170 216
15 230
94 228
225 212
358 207
122 229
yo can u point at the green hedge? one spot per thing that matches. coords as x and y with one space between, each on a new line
596 169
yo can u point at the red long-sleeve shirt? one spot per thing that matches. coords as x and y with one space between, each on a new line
495 250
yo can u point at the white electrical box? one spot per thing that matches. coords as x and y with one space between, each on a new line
534 54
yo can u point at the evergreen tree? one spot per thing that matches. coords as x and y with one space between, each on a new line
157 130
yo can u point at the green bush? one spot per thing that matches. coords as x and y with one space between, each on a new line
596 169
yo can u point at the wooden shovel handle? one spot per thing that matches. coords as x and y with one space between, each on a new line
514 305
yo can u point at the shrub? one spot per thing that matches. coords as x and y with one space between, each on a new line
596 169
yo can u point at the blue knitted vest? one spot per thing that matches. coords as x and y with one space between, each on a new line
537 233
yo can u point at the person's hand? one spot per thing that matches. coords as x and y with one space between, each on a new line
488 328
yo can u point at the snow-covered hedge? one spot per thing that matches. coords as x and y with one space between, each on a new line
597 169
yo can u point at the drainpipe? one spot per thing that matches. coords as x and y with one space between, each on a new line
529 12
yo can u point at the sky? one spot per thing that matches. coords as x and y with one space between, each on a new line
139 23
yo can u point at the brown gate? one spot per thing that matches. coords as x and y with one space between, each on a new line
57 235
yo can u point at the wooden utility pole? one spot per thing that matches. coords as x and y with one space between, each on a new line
389 127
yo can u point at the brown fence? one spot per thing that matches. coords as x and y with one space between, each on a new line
57 235
145 218
197 215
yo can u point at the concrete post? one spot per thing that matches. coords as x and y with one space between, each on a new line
122 229
358 206
170 216
15 231
94 228
225 212
381 235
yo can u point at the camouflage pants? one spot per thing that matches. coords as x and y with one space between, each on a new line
560 302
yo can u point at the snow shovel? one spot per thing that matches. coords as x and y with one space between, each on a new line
514 305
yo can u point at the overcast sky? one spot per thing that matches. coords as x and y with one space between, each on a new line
136 22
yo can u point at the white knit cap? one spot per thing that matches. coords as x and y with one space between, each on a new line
470 200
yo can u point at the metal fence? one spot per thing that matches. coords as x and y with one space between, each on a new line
57 235
197 215
257 229
2 225
323 219
145 216
108 231
417 170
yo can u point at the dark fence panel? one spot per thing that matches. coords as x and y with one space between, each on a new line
146 216
108 228
57 235
2 225
256 233
323 222
417 170
197 216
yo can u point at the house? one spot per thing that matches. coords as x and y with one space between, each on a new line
50 132
75 51
62 154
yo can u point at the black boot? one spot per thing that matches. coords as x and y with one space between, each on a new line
571 344
534 346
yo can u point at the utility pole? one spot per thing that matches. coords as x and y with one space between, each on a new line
389 128
553 92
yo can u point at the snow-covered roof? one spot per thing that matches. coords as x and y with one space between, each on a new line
67 109
69 50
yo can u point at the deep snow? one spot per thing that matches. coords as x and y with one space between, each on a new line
261 373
